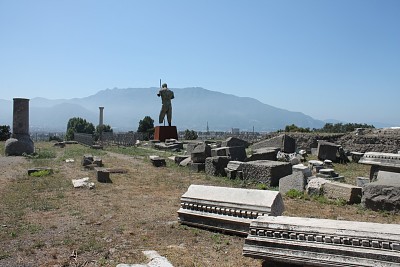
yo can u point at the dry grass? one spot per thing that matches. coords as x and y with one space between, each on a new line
46 222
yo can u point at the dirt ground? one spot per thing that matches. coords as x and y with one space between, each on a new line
44 221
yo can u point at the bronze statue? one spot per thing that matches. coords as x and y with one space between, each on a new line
166 96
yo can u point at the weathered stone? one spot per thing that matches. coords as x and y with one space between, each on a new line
322 242
215 166
362 181
179 158
314 186
98 161
103 175
197 167
266 171
235 165
327 150
185 162
263 154
237 153
87 159
383 194
17 147
155 261
295 181
190 147
286 143
349 193
200 153
157 161
233 174
356 156
220 151
227 209
303 169
234 141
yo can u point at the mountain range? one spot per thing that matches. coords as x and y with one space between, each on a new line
193 108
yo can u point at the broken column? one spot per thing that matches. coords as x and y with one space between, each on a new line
20 141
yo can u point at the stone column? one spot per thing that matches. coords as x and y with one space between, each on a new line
101 116
20 117
101 123
20 141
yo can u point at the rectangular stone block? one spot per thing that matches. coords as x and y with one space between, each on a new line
103 175
237 153
328 242
296 181
215 166
227 209
266 171
197 167
263 154
350 193
327 150
157 161
305 170
220 151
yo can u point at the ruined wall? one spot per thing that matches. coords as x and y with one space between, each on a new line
377 140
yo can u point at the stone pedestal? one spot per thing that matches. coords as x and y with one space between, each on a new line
165 132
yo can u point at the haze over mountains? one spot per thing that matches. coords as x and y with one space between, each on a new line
192 109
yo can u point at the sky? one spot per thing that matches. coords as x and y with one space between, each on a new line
335 59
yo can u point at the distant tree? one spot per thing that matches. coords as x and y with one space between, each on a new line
5 132
190 135
294 128
105 128
78 125
146 126
343 128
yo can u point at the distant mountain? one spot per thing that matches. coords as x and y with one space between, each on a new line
192 109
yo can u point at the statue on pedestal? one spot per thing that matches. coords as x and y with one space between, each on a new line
166 108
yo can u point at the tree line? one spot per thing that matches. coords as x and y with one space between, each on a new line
328 128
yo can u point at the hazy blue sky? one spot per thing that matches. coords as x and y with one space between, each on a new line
335 59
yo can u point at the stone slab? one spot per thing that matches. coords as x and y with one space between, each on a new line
235 165
381 159
286 143
266 171
220 151
322 242
263 154
350 193
157 161
179 158
227 209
